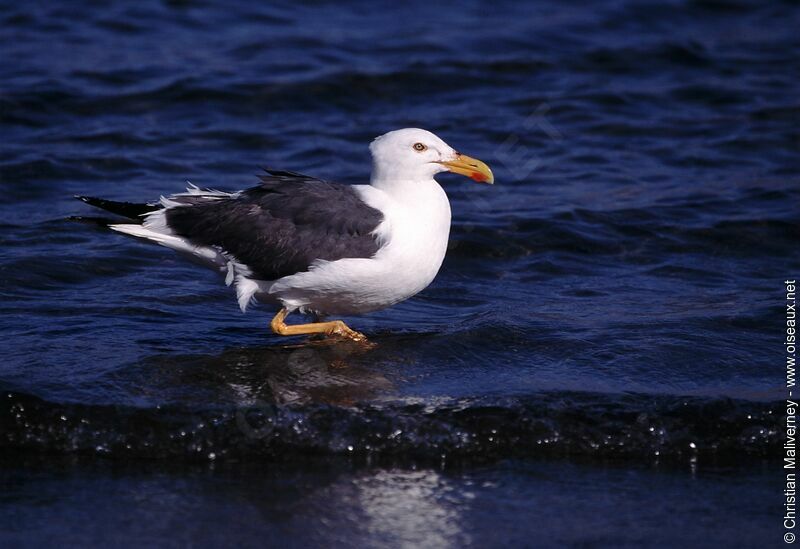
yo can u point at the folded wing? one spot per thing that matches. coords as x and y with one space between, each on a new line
276 229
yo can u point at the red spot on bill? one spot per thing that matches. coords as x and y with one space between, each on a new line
478 176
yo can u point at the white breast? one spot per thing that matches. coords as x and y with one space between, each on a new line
413 238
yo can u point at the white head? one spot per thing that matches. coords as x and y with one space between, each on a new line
415 155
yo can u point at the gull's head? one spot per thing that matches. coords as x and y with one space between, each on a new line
412 154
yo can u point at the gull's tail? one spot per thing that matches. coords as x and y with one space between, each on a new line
148 221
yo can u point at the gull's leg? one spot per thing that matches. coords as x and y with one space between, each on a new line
333 327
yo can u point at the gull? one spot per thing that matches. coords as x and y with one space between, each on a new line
303 244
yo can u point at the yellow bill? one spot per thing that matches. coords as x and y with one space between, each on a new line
471 167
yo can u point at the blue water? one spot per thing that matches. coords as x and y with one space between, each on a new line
599 357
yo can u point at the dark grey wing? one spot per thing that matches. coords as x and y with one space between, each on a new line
282 226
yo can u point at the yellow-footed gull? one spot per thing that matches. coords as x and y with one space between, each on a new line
303 244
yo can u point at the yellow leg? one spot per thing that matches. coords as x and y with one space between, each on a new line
334 327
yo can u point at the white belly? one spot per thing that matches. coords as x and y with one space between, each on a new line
414 235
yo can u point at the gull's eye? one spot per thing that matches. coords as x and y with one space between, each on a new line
419 147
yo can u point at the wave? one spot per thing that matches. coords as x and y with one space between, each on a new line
597 426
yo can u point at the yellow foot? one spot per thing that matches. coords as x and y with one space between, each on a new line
331 328
340 329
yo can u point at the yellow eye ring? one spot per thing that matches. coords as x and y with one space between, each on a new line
419 147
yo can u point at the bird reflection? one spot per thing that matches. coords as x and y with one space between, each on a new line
311 372
341 373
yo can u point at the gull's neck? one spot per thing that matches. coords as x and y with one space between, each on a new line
398 181
419 191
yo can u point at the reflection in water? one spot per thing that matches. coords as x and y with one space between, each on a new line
413 508
371 507
340 373
323 373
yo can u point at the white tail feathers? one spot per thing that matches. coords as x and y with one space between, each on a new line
176 243
246 288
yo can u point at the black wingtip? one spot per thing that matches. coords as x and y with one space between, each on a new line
125 209
89 220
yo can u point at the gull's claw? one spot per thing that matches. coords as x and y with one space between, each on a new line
341 329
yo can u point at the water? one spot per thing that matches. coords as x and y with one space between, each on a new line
605 333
